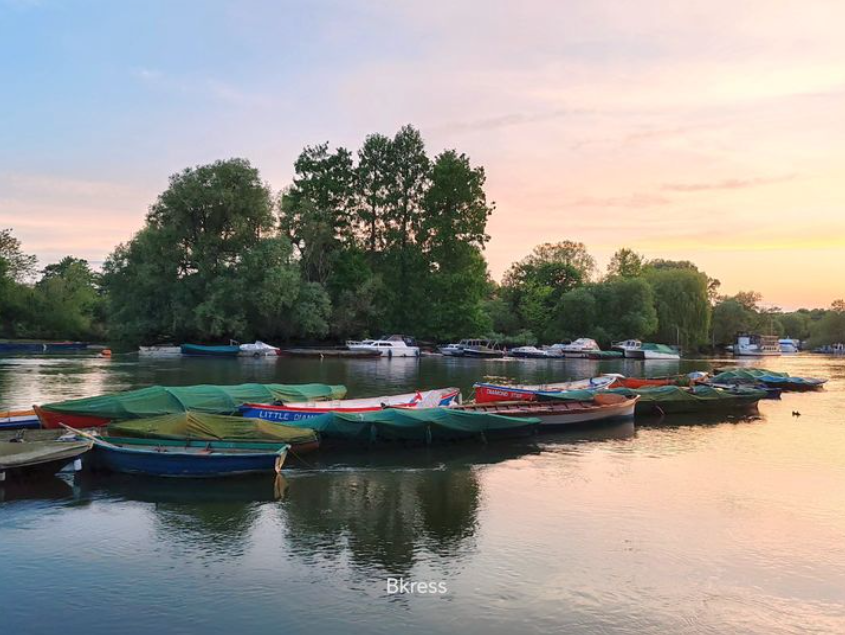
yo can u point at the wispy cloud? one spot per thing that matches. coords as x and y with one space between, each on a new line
727 184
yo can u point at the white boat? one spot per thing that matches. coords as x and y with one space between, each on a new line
756 346
452 350
486 392
528 351
789 346
580 348
659 352
164 350
629 348
393 346
298 411
603 407
257 349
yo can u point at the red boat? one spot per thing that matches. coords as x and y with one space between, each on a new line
50 419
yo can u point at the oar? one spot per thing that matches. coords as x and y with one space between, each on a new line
87 435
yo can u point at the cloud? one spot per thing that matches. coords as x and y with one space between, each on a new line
727 184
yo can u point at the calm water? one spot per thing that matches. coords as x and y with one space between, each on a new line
713 526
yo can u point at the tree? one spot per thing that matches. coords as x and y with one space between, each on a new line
575 315
830 329
730 317
374 177
625 263
626 309
682 304
69 293
17 266
209 265
317 211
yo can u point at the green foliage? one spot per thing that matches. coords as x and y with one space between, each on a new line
682 303
209 265
14 264
625 263
830 329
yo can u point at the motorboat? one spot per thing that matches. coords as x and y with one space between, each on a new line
257 349
629 348
756 346
528 352
393 346
789 346
160 350
485 349
580 348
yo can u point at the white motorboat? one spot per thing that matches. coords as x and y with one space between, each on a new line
629 348
393 346
789 346
756 346
257 349
659 352
580 348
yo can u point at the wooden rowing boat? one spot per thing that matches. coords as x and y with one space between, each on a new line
31 459
603 408
488 392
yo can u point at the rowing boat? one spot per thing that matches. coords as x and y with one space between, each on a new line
155 401
186 462
442 397
31 459
487 392
595 408
18 419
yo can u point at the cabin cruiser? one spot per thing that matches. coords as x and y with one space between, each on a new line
529 352
483 349
393 346
453 350
629 348
257 349
756 346
580 348
789 346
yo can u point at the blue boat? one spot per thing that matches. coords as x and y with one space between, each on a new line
198 350
191 462
41 347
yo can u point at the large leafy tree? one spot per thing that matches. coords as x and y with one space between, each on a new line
210 265
625 263
683 305
69 293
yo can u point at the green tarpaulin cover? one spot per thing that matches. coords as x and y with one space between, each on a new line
744 374
162 400
428 424
200 425
673 399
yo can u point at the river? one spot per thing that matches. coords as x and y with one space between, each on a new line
731 525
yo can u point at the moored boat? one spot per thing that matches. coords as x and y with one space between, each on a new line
594 408
18 419
531 352
200 350
659 352
442 397
580 348
629 348
393 346
32 459
162 400
756 346
663 400
771 379
185 462
257 349
218 432
487 392
483 349
160 350
416 426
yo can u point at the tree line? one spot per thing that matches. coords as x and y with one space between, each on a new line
383 239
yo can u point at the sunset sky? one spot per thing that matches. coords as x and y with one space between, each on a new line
712 131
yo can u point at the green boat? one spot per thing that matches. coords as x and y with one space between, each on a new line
199 350
156 401
661 400
216 432
424 426
769 378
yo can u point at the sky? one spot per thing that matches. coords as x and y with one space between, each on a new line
711 131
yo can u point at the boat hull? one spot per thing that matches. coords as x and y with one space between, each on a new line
134 460
53 420
563 414
256 446
19 461
196 350
18 420
486 393
159 351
